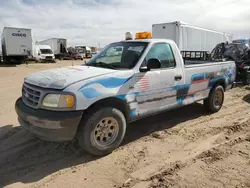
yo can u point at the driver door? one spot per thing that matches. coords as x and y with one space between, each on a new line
156 87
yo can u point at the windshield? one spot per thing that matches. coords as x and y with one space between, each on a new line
80 50
46 51
120 55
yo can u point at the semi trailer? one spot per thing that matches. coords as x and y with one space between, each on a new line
189 37
16 44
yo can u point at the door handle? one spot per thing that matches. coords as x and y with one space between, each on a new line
178 77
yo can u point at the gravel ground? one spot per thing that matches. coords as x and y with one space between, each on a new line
182 148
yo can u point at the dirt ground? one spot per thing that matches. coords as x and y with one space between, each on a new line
182 148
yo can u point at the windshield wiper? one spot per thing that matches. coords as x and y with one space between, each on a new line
101 64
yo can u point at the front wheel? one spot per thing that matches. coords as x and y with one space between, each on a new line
215 100
246 80
102 131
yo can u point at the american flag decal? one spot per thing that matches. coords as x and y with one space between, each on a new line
142 83
198 86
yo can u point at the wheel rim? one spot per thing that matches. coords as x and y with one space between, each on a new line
106 131
218 98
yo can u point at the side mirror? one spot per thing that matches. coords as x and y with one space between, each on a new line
152 63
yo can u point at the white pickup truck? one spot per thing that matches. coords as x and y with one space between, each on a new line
124 82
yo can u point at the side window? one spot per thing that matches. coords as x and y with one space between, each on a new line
163 52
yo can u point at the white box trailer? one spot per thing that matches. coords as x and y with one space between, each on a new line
58 46
16 44
188 37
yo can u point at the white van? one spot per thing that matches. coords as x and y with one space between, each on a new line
43 53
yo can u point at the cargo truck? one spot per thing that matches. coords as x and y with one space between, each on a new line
85 50
58 46
16 44
188 37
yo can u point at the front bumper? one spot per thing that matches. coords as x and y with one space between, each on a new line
47 60
79 57
48 125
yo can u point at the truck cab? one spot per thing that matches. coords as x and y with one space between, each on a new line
84 50
126 81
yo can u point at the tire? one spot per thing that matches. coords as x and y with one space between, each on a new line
246 80
92 139
215 100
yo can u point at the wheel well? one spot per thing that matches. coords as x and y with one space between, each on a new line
220 82
112 102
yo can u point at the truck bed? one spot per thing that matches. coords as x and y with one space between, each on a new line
196 62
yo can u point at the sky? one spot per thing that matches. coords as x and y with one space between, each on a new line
99 22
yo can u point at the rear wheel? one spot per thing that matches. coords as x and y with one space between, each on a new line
246 80
215 100
102 131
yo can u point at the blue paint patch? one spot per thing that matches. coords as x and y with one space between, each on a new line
90 93
212 80
108 82
122 97
179 87
179 101
133 112
137 94
199 76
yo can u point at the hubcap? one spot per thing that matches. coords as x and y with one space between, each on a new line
218 98
106 131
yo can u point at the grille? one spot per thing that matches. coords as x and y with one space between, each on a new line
30 95
48 57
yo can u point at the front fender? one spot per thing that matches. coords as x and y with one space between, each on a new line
90 91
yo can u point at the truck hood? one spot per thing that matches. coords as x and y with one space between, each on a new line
60 78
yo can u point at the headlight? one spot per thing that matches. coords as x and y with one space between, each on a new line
58 101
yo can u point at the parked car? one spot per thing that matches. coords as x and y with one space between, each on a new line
76 56
94 102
